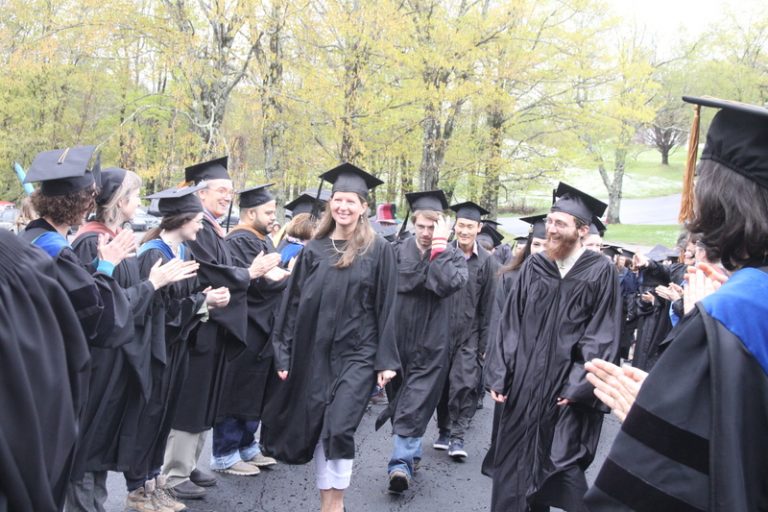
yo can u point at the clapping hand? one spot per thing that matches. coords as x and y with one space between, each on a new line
617 387
119 248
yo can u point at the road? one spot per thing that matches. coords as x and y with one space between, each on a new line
654 210
440 485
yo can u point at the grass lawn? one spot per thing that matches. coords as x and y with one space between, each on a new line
642 234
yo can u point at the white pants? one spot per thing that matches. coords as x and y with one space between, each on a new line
331 474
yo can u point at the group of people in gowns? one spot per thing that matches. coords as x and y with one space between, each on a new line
120 356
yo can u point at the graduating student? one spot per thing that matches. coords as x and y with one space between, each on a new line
594 239
693 438
214 342
429 270
470 314
129 379
66 194
235 449
43 356
565 309
177 310
501 251
334 338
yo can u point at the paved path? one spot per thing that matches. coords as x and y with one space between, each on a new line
439 486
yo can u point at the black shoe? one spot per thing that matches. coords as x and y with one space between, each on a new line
188 490
456 450
480 403
202 479
416 464
441 443
398 481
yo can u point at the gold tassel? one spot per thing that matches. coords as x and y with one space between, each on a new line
686 202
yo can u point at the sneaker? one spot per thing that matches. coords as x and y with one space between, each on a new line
398 481
456 450
441 443
139 501
188 490
165 495
201 478
261 461
240 468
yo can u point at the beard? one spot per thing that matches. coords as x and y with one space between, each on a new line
561 245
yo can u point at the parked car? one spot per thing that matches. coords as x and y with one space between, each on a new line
150 221
8 217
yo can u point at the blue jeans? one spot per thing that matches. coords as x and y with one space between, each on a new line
233 441
407 449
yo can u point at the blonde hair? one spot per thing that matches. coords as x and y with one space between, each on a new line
358 244
109 212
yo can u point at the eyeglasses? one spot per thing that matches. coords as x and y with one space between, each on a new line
224 191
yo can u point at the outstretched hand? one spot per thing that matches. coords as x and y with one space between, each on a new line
172 271
617 387
119 248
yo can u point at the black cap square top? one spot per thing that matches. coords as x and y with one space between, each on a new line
64 171
538 225
349 178
470 211
111 180
596 227
491 232
256 196
215 169
175 201
304 204
434 200
737 137
577 203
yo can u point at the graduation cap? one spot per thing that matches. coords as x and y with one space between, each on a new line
493 235
434 200
255 196
737 138
175 201
538 225
348 178
215 169
661 253
470 211
596 227
577 203
111 180
611 250
303 204
324 196
64 171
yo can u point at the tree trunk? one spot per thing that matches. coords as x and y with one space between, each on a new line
664 155
492 183
429 170
271 108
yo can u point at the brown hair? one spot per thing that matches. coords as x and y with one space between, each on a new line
68 209
730 215
427 214
301 226
169 223
361 240
519 259
108 212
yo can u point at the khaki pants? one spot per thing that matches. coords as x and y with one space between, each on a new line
181 455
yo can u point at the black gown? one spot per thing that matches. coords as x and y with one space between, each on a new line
43 356
246 379
695 438
107 319
334 331
129 378
653 322
215 342
423 336
494 369
470 315
550 326
176 313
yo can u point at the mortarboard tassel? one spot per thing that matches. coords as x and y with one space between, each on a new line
686 202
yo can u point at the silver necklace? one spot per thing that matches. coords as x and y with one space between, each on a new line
333 243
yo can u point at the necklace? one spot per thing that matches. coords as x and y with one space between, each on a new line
333 243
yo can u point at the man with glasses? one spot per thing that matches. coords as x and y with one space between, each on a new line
216 341
564 311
